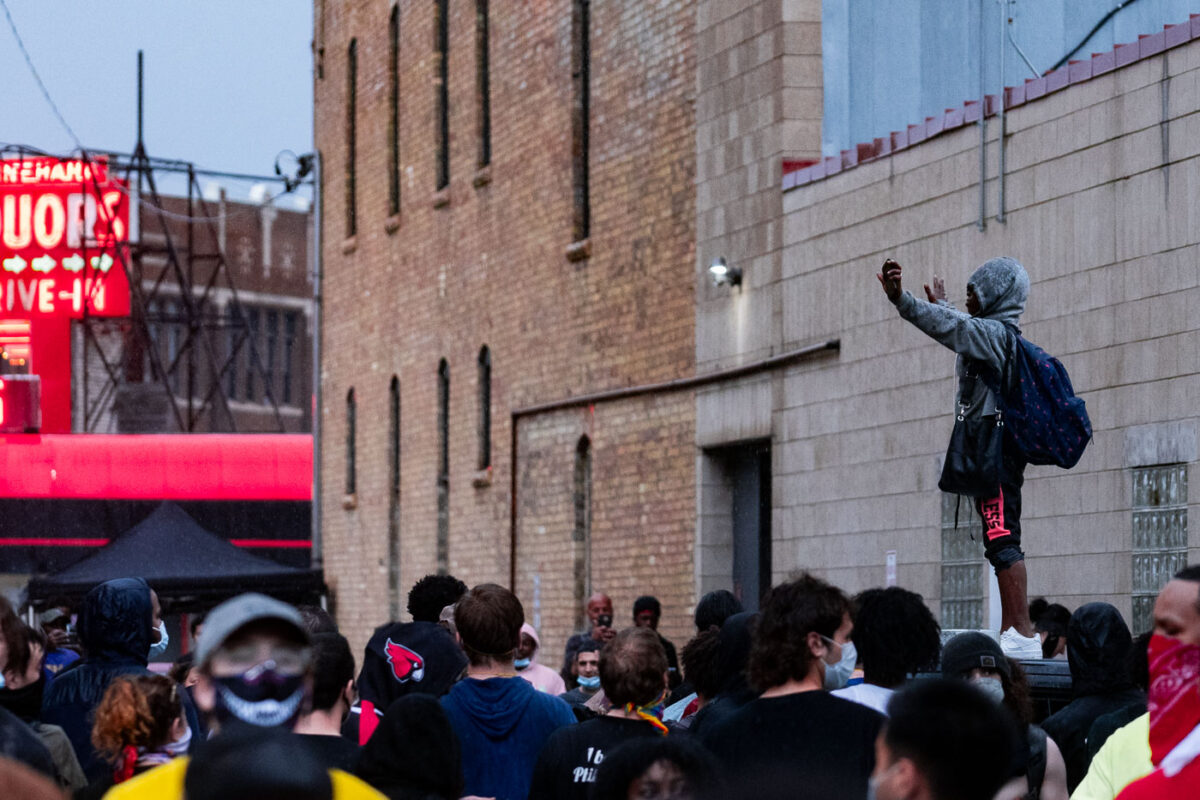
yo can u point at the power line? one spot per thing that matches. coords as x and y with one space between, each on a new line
33 70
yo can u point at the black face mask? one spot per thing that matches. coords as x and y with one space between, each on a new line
26 702
260 696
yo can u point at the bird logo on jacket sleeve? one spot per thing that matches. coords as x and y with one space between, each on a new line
407 665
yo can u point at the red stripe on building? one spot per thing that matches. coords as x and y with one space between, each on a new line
157 467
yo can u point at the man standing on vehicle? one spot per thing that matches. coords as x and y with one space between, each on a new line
981 336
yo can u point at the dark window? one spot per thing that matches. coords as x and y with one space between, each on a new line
270 391
581 71
443 476
394 112
485 408
251 347
442 82
234 330
351 136
394 498
351 431
289 351
483 83
582 534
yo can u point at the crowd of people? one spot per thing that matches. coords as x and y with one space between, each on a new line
815 695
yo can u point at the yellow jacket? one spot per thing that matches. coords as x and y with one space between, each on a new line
166 783
1122 759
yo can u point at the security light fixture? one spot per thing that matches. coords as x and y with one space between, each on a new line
723 274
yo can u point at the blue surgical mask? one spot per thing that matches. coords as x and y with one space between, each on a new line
838 675
590 683
159 647
873 782
522 663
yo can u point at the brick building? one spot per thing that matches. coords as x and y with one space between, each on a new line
508 221
550 182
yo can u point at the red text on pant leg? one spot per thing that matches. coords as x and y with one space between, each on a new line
992 511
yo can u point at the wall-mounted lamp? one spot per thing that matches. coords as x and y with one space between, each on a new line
723 274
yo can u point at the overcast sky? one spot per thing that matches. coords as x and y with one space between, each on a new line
228 83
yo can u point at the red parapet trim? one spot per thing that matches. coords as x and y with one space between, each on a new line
298 544
157 467
1146 46
45 541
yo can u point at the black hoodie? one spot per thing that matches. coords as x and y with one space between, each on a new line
1098 644
114 629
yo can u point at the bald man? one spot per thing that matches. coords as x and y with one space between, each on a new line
599 610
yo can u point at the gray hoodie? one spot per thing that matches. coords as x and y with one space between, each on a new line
1002 287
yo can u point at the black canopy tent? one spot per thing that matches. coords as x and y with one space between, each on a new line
189 567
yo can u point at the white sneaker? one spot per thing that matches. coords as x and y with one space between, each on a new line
1017 646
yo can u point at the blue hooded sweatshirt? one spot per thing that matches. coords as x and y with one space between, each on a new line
502 724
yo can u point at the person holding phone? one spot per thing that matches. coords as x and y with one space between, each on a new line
599 611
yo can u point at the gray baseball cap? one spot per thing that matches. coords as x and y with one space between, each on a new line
235 613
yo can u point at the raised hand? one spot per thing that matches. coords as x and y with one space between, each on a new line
938 292
890 279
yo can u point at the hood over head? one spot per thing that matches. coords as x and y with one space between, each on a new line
1002 286
497 705
527 628
1098 644
114 622
409 657
414 752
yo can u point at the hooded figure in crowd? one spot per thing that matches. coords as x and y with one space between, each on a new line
1098 644
402 658
542 677
983 337
115 626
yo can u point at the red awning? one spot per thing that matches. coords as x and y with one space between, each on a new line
157 467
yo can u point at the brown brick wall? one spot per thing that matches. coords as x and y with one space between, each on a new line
490 268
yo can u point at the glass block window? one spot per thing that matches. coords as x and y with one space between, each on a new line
962 566
1159 535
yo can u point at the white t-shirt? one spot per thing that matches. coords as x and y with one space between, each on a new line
867 694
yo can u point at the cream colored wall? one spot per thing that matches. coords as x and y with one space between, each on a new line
1101 187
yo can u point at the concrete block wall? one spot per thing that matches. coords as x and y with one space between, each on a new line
1100 209
485 262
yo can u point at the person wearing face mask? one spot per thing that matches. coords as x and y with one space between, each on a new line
22 684
797 741
255 671
943 741
1038 769
159 639
587 670
115 624
139 726
1174 697
542 677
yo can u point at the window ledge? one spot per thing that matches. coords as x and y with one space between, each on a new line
392 223
483 176
578 251
350 501
482 478
441 198
349 245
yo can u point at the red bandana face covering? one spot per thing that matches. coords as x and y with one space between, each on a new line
1174 693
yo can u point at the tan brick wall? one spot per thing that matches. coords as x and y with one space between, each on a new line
1100 186
490 268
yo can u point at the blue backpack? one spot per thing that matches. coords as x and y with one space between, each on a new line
1042 415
